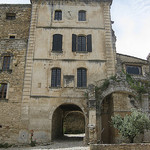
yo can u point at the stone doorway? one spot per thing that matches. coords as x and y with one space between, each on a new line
68 122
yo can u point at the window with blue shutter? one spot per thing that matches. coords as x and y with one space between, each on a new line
58 15
81 43
57 42
56 77
81 77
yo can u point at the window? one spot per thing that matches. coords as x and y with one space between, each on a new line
81 77
3 90
10 16
56 77
82 15
6 63
57 42
58 15
81 43
136 70
12 37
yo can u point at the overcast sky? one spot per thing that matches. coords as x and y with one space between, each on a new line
131 24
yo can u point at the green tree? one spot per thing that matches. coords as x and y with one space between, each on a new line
131 125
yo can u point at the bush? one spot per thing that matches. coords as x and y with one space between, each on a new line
131 125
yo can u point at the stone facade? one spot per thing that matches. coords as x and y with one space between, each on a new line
32 101
10 106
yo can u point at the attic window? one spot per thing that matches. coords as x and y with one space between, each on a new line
135 70
10 16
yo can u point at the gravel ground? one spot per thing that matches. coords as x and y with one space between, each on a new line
67 143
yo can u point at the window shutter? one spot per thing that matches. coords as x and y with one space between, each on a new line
57 42
58 77
54 42
84 78
11 63
74 42
79 78
53 78
89 43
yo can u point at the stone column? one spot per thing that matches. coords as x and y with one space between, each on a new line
92 115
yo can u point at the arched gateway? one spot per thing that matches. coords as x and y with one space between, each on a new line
67 119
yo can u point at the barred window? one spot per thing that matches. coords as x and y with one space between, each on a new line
3 90
6 63
81 43
57 42
81 77
56 77
58 15
82 15
136 70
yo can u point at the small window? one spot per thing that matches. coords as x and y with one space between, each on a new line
81 43
57 42
6 63
136 70
3 90
82 15
12 37
58 15
10 16
56 77
81 77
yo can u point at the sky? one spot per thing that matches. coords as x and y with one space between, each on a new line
131 25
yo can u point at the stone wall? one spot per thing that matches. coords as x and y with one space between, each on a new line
10 107
18 26
120 147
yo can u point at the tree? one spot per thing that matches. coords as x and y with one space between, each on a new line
131 125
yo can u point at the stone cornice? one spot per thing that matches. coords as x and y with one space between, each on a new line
54 1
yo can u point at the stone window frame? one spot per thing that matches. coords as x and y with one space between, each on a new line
82 16
9 35
57 46
54 80
57 17
134 65
6 98
2 60
79 84
10 16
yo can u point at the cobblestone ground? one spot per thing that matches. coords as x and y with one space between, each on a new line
72 143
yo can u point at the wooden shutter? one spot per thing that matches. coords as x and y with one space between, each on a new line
74 42
84 77
89 43
57 42
53 78
58 77
79 78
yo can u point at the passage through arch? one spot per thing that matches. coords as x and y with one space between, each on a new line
68 119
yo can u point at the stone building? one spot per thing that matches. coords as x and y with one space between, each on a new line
55 58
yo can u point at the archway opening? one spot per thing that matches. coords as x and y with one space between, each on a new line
68 122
